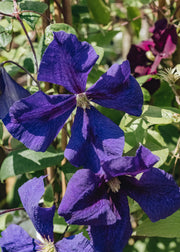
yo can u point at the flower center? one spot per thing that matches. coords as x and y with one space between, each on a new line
114 184
150 55
46 246
82 101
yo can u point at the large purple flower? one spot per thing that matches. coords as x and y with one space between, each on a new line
10 92
101 202
14 238
37 119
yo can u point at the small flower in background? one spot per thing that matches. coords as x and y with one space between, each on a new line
101 202
145 57
10 92
14 238
170 75
37 119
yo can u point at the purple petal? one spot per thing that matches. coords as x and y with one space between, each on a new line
36 120
113 238
155 64
156 192
42 218
128 165
67 62
85 203
164 37
10 92
140 64
95 139
75 243
117 89
14 239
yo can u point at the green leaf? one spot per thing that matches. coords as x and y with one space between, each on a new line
100 51
99 11
48 196
132 14
29 64
7 7
102 38
41 48
168 227
142 79
55 28
164 96
59 224
146 94
68 170
4 219
155 142
153 115
39 7
5 36
22 161
30 18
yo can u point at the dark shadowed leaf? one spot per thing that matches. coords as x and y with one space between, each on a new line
22 161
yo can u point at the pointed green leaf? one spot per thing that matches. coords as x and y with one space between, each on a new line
55 28
22 161
168 227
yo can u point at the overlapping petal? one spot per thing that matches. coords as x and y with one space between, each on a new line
75 243
165 37
37 119
14 239
117 89
95 139
42 218
156 192
113 238
67 62
10 92
128 165
85 202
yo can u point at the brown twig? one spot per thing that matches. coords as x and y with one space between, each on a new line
16 15
24 69
12 210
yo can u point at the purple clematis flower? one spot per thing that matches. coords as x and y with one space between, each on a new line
101 202
14 238
145 57
37 119
10 92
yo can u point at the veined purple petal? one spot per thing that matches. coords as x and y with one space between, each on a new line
10 92
156 192
37 119
14 239
165 37
95 139
113 238
117 89
75 243
85 202
67 62
42 218
128 165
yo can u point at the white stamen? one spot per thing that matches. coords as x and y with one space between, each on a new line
46 245
82 101
150 55
114 184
